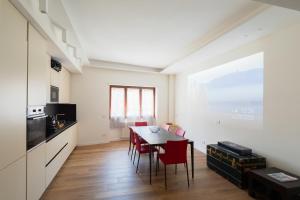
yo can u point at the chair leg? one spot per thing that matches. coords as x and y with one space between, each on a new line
175 168
134 156
129 147
137 166
187 174
157 164
157 160
165 176
132 151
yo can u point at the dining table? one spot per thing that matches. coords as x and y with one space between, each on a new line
157 136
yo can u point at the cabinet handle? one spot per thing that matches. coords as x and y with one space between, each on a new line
40 117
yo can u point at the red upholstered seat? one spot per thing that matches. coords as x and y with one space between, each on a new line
146 149
141 124
132 142
175 153
142 149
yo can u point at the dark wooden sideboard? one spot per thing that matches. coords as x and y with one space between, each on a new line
232 165
262 186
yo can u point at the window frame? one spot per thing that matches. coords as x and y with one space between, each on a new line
125 98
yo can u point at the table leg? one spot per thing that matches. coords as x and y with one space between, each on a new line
150 160
192 157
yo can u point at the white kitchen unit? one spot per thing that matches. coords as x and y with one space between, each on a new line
64 87
62 80
58 150
55 145
38 62
54 78
72 137
36 172
13 70
13 181
13 81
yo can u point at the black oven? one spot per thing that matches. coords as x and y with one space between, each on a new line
54 94
36 126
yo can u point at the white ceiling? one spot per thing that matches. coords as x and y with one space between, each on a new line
151 33
270 20
291 4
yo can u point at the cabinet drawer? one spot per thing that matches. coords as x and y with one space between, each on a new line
54 166
55 145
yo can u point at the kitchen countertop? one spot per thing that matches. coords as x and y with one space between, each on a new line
55 133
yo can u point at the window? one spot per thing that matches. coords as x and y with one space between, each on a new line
117 102
132 102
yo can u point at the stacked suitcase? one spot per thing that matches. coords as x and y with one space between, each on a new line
233 161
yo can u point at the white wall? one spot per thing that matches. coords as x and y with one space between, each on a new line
90 91
279 138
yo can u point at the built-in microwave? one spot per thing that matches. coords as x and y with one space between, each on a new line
54 94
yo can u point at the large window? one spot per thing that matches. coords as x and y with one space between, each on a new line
132 102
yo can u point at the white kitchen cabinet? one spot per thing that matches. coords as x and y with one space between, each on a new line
36 172
38 62
13 81
55 145
64 88
62 80
72 137
13 181
54 166
54 78
58 150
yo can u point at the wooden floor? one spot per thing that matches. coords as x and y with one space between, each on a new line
106 172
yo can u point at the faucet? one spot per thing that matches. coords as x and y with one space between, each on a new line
59 114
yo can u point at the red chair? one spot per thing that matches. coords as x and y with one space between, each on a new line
180 132
141 124
141 149
132 142
131 137
175 153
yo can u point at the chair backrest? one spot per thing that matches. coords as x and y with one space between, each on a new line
141 124
137 142
173 128
176 151
166 127
180 132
